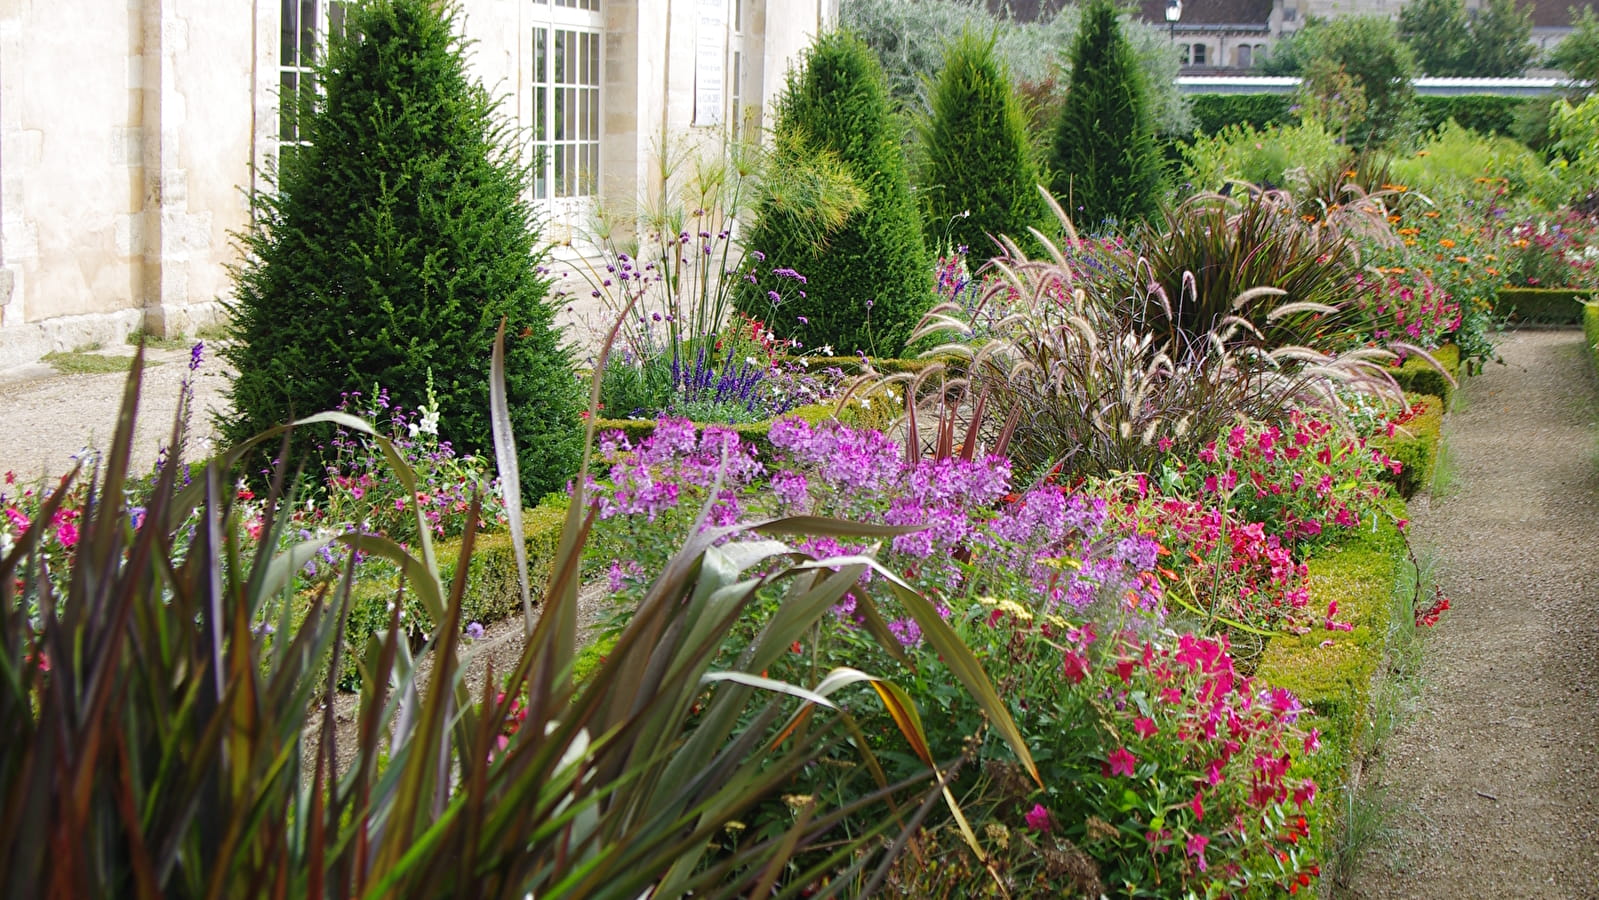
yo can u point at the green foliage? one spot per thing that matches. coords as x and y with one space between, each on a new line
1263 157
1590 331
394 243
871 279
1578 54
1438 34
910 40
1456 163
1487 114
979 181
1547 306
1212 254
1419 376
1500 40
1215 112
1414 445
1368 48
1576 129
1106 164
150 664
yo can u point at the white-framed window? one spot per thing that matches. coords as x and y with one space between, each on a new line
1243 54
566 74
735 74
303 29
1199 54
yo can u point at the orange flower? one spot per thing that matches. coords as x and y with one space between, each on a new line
1462 259
1410 242
1447 244
1432 214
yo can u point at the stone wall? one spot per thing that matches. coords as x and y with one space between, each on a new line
132 130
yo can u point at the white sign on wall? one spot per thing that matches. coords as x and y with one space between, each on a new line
710 62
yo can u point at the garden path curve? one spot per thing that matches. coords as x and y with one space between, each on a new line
1494 784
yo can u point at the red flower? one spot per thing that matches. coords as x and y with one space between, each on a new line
1120 762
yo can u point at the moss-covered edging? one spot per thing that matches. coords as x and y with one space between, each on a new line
1414 445
1590 329
1331 672
756 433
1418 376
1543 306
492 590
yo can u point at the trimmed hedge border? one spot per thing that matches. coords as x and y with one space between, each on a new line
1417 376
1331 672
1543 306
1414 446
1590 329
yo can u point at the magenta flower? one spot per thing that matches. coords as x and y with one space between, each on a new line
1120 762
1038 818
1145 727
1196 849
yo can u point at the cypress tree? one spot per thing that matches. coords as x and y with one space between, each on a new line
390 246
870 279
980 179
1107 164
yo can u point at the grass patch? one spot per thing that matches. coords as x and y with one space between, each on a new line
1445 471
151 342
84 362
1366 811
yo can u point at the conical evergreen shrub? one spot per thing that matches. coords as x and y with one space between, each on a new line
979 180
390 246
869 280
1106 161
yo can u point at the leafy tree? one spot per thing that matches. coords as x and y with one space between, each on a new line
392 246
1106 162
1578 54
869 280
1500 45
1438 35
979 179
1368 48
1329 95
910 39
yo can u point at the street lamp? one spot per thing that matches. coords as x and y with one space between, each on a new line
1174 11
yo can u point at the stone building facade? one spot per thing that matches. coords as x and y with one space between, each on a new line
132 130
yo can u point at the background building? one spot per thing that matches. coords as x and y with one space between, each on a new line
131 132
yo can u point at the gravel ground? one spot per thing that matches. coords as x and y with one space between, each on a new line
1494 785
47 418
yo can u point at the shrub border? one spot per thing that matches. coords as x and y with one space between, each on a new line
1543 306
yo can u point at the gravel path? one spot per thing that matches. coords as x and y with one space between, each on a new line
1494 785
46 418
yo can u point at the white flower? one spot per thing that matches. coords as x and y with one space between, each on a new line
428 424
827 349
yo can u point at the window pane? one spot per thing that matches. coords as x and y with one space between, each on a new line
541 39
288 33
560 57
593 134
307 26
288 92
594 59
560 114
